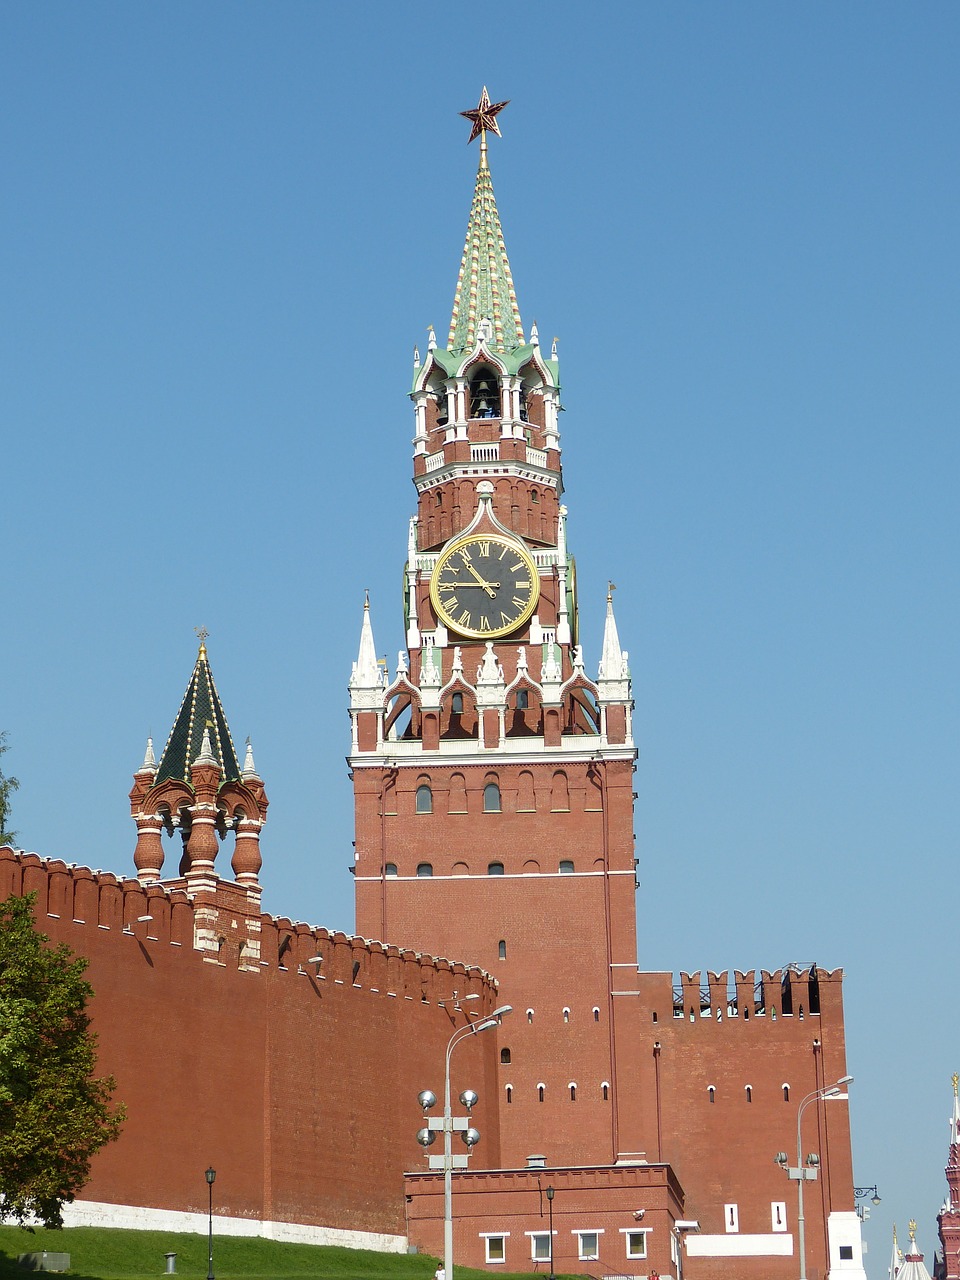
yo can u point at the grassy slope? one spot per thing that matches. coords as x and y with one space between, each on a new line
100 1254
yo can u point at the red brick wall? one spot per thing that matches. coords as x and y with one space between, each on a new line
561 932
300 1090
514 1203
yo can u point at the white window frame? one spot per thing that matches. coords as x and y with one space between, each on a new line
731 1218
778 1215
588 1231
627 1232
486 1237
534 1237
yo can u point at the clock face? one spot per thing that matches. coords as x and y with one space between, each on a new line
485 585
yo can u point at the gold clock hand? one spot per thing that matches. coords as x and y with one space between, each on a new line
487 586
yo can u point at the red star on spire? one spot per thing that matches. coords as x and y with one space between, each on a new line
484 116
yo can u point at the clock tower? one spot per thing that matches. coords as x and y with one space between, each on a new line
493 776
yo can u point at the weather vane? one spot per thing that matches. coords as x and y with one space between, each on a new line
484 117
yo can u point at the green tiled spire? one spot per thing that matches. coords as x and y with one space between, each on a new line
199 711
485 286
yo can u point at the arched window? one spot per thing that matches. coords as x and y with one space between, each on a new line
495 869
390 869
596 1013
605 1091
424 868
529 1015
573 1090
424 798
484 394
457 799
748 1090
491 798
508 1090
786 1092
504 1056
502 949
566 1015
525 796
560 794
541 1090
456 704
712 1092
442 413
566 867
523 699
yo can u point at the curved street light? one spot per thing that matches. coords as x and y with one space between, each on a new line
469 1135
807 1172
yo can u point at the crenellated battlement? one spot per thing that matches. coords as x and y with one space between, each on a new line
791 992
219 928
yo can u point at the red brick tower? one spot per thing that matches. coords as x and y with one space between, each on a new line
200 789
949 1217
493 776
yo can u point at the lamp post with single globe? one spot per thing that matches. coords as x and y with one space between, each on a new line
807 1172
210 1176
550 1194
447 1123
860 1193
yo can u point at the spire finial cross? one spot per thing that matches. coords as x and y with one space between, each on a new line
202 634
484 117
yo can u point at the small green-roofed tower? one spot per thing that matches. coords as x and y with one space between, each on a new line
200 789
201 712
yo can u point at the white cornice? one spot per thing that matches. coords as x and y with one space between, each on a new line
480 470
510 751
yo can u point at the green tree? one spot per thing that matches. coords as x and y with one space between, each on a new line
54 1114
7 788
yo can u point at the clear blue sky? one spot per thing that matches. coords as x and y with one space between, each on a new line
225 226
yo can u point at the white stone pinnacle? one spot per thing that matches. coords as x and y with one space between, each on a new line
206 755
249 768
612 658
367 672
149 759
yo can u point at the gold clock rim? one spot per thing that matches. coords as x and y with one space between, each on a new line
495 633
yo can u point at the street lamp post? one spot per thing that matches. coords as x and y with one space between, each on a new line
210 1176
550 1194
448 1124
860 1193
807 1172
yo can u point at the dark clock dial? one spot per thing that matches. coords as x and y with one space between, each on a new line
485 585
